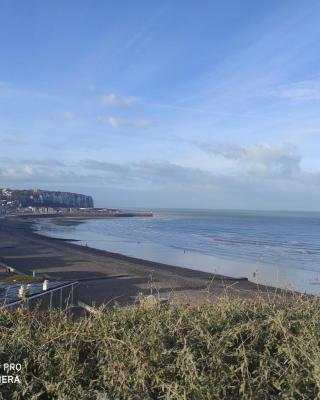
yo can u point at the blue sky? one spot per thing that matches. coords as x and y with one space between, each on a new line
163 104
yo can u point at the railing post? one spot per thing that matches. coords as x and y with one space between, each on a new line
71 295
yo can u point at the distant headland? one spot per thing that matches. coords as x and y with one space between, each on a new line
11 199
38 202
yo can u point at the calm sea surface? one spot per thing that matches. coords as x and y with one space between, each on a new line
276 248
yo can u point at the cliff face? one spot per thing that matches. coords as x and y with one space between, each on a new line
45 198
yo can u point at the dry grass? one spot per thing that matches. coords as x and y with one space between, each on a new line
228 350
24 279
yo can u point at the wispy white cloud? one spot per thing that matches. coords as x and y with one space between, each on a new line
304 90
259 159
14 173
158 173
169 179
125 123
111 100
128 100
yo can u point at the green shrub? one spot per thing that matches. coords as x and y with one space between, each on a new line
227 350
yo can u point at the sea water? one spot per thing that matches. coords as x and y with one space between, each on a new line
275 248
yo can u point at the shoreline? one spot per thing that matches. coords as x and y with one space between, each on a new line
107 277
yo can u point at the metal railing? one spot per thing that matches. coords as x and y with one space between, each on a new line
47 295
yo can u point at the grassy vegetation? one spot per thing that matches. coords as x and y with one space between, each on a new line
23 279
229 350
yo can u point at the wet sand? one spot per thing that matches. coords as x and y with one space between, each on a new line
106 277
